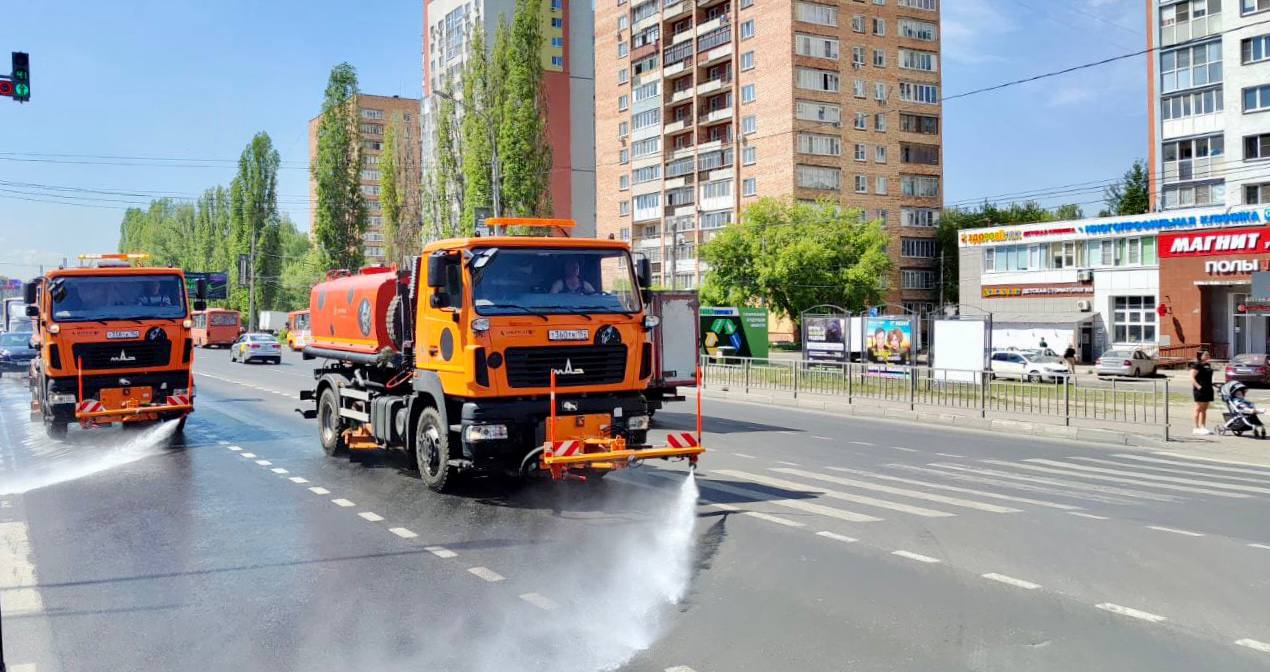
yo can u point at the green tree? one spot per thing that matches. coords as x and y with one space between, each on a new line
254 223
1131 195
443 188
480 98
398 194
524 156
790 256
341 210
301 267
390 198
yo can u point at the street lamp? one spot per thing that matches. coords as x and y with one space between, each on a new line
493 145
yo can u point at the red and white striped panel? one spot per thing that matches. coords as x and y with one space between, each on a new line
89 406
563 448
178 400
681 440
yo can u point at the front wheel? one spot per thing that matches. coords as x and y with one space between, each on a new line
432 451
329 424
1032 378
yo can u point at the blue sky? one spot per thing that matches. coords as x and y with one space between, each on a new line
196 79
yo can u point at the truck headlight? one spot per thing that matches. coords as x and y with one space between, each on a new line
637 422
475 433
480 324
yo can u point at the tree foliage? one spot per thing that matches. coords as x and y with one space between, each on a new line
254 217
791 256
1131 195
443 184
523 152
480 98
340 218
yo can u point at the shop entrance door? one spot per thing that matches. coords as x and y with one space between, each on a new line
1249 332
1086 343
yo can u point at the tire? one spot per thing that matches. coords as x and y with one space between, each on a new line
329 424
432 451
55 429
1031 378
393 322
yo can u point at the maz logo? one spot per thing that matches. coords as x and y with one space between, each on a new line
568 369
123 357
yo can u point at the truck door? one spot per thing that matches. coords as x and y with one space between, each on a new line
441 330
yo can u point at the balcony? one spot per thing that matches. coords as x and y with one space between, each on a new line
714 38
643 243
713 85
674 8
716 55
674 126
713 24
685 94
672 70
715 116
645 51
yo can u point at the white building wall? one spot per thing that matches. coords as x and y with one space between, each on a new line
1111 282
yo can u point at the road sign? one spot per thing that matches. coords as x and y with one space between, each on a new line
6 87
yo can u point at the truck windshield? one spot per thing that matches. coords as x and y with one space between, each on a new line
557 280
117 297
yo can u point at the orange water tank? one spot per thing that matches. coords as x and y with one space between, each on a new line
350 312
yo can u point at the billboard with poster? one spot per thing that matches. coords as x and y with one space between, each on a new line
824 338
734 332
889 339
217 284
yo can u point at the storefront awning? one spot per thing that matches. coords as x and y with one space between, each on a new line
1063 318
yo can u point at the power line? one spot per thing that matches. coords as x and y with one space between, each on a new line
119 157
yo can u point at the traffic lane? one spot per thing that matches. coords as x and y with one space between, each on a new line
294 373
188 559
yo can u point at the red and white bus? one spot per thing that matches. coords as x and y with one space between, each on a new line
216 327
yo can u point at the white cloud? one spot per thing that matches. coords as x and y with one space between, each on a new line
970 29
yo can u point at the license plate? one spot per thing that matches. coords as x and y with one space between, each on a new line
568 334
1243 370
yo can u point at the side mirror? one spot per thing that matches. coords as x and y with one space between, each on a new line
644 272
28 292
200 289
436 271
200 304
32 310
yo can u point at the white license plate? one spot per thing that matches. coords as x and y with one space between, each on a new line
1242 370
568 334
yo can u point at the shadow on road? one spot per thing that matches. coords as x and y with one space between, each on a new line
688 421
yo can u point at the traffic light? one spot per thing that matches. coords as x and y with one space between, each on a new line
21 75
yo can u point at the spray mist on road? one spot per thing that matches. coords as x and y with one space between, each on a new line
51 462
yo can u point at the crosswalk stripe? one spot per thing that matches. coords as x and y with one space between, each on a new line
953 488
1108 494
1210 459
1116 479
1170 470
797 504
1151 477
1196 465
913 494
858 499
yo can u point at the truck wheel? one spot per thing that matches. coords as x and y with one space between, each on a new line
393 324
432 451
329 424
55 429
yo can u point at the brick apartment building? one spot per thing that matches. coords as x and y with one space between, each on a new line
703 106
375 113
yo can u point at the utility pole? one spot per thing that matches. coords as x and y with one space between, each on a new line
942 254
251 285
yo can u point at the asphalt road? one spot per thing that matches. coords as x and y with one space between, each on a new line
819 543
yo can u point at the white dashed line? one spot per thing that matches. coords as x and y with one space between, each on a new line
791 464
1173 530
951 455
298 479
264 463
441 552
403 533
372 517
907 450
1264 547
539 601
915 556
222 443
279 470
234 448
319 490
837 537
774 519
1010 580
248 455
861 443
1131 612
822 438
342 502
1087 515
486 574
748 457
1254 645
680 668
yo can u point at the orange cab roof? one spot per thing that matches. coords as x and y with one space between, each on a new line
120 270
526 241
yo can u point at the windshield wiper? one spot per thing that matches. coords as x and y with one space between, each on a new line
523 309
569 310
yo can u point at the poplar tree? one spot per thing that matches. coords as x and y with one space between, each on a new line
340 219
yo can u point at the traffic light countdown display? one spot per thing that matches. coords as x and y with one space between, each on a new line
18 85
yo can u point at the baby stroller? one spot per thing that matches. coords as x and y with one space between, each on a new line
1241 415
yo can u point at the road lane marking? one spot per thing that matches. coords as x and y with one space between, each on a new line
1003 478
836 537
343 503
774 519
1174 530
912 494
372 517
1169 464
1136 481
248 455
1011 581
540 601
1264 547
748 457
319 490
234 448
264 463
954 488
222 443
822 438
861 443
279 470
1210 459
834 494
1171 470
298 479
17 571
1087 515
486 574
403 533
915 556
902 448
680 668
790 464
1131 612
22 667
1254 645
440 551
760 496
1151 477
960 457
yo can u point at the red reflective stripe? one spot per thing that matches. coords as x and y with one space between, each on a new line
689 440
674 443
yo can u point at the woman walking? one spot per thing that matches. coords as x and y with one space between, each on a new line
1201 390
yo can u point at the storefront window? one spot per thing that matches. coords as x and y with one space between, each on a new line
1133 319
988 259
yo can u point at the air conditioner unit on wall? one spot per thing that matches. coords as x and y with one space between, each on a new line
1085 275
1084 305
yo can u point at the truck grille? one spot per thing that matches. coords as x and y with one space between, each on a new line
124 355
593 364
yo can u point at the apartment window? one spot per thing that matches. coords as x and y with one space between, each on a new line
623 76
643 10
622 49
1186 195
879 26
920 217
747 29
747 94
370 189
370 175
716 220
646 65
370 160
1251 6
623 22
913 92
820 145
746 4
861 184
1191 104
879 90
816 46
879 58
645 147
749 156
1183 68
857 57
646 91
624 156
646 174
917 248
1257 147
715 190
879 155
921 186
647 206
921 154
623 129
883 215
857 88
924 5
623 182
818 80
678 197
749 186
646 37
857 23
810 12
1257 194
917 279
646 118
747 61
624 209
911 59
1256 98
375 237
749 124
623 102
879 122
918 30
1133 319
861 152
810 110
879 185
861 120
1189 20
557 42
675 53
818 177
1193 158
373 129
454 31
1254 49
679 167
368 113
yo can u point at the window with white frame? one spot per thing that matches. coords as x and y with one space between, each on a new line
861 153
1191 104
820 145
861 120
747 29
646 147
647 206
912 59
919 123
623 155
861 184
857 57
679 196
879 122
622 49
369 113
1133 319
1256 98
1257 194
1253 6
1254 49
749 186
1193 158
749 124
914 92
1187 195
879 185
879 90
918 248
811 110
879 58
646 174
921 186
747 61
716 220
623 76
817 46
857 88
1257 147
623 182
812 12
623 102
919 217
857 23
818 80
748 94
924 5
643 10
917 279
749 156
646 91
1189 20
919 30
646 118
879 154
370 174
1198 65
719 189
818 177
879 25
623 129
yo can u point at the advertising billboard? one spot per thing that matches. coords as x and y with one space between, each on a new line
824 338
889 339
217 284
734 332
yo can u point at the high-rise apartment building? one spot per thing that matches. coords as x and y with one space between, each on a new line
374 114
568 86
703 106
1209 102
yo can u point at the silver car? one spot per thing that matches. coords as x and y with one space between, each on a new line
1134 363
256 347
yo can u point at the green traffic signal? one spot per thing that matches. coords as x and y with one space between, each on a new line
21 91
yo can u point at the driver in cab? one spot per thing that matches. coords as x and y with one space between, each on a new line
572 282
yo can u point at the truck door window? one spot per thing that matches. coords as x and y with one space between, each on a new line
454 281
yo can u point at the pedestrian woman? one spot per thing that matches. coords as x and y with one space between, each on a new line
1201 390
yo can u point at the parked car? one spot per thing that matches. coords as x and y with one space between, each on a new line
1027 366
1134 363
16 352
1253 369
256 347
